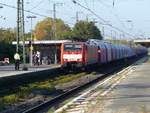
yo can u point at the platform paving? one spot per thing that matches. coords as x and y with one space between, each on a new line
9 70
131 95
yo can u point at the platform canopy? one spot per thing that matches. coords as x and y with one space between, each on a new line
145 42
43 42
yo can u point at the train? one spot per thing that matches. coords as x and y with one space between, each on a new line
94 51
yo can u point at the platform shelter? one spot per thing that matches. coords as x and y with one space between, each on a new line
49 49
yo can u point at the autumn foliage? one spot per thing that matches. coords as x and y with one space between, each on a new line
49 29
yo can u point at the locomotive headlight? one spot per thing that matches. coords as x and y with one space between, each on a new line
72 57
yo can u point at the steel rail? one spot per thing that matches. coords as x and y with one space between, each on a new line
58 99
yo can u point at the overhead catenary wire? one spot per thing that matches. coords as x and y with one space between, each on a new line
38 14
103 20
90 11
62 5
28 11
115 15
37 5
87 18
86 3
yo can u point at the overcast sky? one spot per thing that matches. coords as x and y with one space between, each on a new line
137 11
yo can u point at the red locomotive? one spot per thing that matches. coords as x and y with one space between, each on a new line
81 54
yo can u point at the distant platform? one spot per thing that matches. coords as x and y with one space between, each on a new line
7 71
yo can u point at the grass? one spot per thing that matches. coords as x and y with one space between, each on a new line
51 110
10 99
68 78
23 92
37 88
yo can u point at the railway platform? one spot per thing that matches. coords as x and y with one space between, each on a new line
9 71
132 94
11 78
125 92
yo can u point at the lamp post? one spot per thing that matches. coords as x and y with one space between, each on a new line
31 40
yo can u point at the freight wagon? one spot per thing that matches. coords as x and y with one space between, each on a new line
82 54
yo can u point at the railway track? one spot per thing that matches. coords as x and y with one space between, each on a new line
59 99
82 103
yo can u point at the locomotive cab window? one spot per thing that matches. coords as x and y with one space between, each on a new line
68 47
77 47
72 47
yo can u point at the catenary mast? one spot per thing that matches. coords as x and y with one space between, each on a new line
21 29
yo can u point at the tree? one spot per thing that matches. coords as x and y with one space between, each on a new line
45 29
7 35
84 30
7 50
6 47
